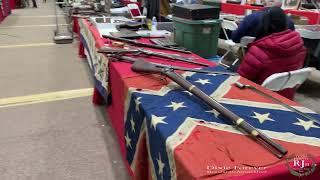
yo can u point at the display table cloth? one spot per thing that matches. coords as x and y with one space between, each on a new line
12 4
1 14
165 132
241 10
6 7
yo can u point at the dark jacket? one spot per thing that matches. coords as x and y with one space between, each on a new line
251 24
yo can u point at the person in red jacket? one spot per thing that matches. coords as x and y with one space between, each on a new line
277 49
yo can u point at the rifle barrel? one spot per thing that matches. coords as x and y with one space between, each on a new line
144 44
201 70
149 53
132 60
177 58
126 58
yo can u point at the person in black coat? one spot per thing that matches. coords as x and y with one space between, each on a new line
34 2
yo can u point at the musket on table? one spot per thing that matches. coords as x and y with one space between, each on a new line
273 147
175 57
145 44
132 60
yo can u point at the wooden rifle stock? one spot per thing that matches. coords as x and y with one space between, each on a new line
143 66
273 147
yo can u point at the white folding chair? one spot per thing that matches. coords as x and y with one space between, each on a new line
227 25
244 41
291 79
231 25
135 11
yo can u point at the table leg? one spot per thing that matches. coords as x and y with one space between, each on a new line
317 55
76 27
81 50
97 99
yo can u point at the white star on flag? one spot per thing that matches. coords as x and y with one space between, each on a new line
305 124
203 81
175 105
128 140
262 117
212 74
155 120
160 165
132 125
186 75
188 92
137 103
213 111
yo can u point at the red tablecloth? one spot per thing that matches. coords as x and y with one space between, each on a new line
12 4
1 15
6 7
241 9
193 149
76 27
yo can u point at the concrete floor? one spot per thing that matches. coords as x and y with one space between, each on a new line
69 139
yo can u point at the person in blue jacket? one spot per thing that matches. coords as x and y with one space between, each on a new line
252 24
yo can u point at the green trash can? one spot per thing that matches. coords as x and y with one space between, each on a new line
198 36
216 3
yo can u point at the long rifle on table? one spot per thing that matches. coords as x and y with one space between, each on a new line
175 57
273 147
145 44
132 60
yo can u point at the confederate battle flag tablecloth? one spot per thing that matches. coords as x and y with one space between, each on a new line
165 132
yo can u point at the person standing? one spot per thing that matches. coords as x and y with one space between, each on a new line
25 3
107 6
34 2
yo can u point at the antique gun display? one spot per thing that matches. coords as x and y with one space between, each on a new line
145 44
246 86
273 147
132 60
176 57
